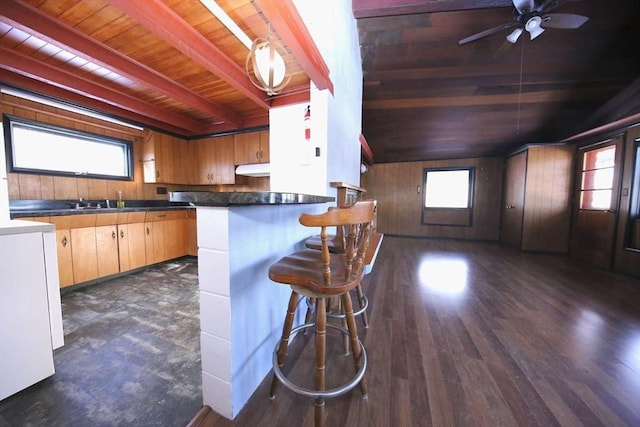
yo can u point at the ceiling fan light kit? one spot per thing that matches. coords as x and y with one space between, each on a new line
529 17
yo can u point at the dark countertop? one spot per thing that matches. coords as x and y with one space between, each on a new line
211 198
31 208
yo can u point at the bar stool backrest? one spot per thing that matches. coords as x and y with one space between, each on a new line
356 223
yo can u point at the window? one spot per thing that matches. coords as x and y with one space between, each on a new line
35 147
448 196
596 186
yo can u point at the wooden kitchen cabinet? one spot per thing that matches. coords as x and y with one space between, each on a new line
191 234
155 236
112 242
84 254
174 242
107 250
215 157
65 260
251 147
131 240
165 159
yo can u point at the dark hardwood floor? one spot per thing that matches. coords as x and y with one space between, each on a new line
479 334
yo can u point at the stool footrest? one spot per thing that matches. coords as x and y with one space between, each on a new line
334 315
320 394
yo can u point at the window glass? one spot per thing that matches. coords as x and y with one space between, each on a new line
41 148
447 188
597 178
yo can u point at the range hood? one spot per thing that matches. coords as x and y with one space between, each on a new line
256 169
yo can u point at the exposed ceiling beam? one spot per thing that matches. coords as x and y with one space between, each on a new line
35 22
158 18
41 71
376 8
79 101
366 150
284 17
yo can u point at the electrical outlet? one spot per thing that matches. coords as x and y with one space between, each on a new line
161 190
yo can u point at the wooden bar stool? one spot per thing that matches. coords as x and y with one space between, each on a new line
320 275
337 244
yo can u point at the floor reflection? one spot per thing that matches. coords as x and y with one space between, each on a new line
444 275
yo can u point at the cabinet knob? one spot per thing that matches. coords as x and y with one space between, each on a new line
257 155
148 231
510 207
122 234
157 174
113 234
64 241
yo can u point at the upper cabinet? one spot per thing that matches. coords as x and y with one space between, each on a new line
165 159
214 157
251 147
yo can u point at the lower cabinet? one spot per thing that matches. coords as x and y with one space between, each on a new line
93 246
65 260
131 246
84 253
107 250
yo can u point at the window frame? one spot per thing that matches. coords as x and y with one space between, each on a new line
449 216
581 165
10 121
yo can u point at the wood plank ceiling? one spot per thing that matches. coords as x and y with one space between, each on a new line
171 65
425 97
165 64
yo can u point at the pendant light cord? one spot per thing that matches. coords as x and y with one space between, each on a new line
520 87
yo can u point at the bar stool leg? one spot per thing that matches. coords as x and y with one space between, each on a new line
321 337
353 333
365 319
284 340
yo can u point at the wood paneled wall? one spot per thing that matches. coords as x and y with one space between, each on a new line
395 186
46 187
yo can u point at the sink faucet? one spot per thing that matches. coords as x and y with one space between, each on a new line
106 202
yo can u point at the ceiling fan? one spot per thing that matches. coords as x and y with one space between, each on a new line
533 19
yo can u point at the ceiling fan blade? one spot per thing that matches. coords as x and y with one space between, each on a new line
567 21
488 32
524 6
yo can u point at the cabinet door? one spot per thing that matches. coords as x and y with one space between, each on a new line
222 167
123 246
215 160
107 250
246 148
84 254
191 235
65 261
174 244
136 243
154 241
263 154
164 159
131 245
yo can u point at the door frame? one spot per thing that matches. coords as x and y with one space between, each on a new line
604 141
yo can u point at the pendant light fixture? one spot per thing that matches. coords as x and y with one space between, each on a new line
265 65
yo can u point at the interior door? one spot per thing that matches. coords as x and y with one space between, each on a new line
597 190
513 199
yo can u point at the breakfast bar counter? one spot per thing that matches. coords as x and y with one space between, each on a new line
239 236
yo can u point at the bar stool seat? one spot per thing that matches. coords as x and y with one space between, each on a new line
320 275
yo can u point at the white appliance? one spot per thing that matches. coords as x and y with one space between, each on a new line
30 310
